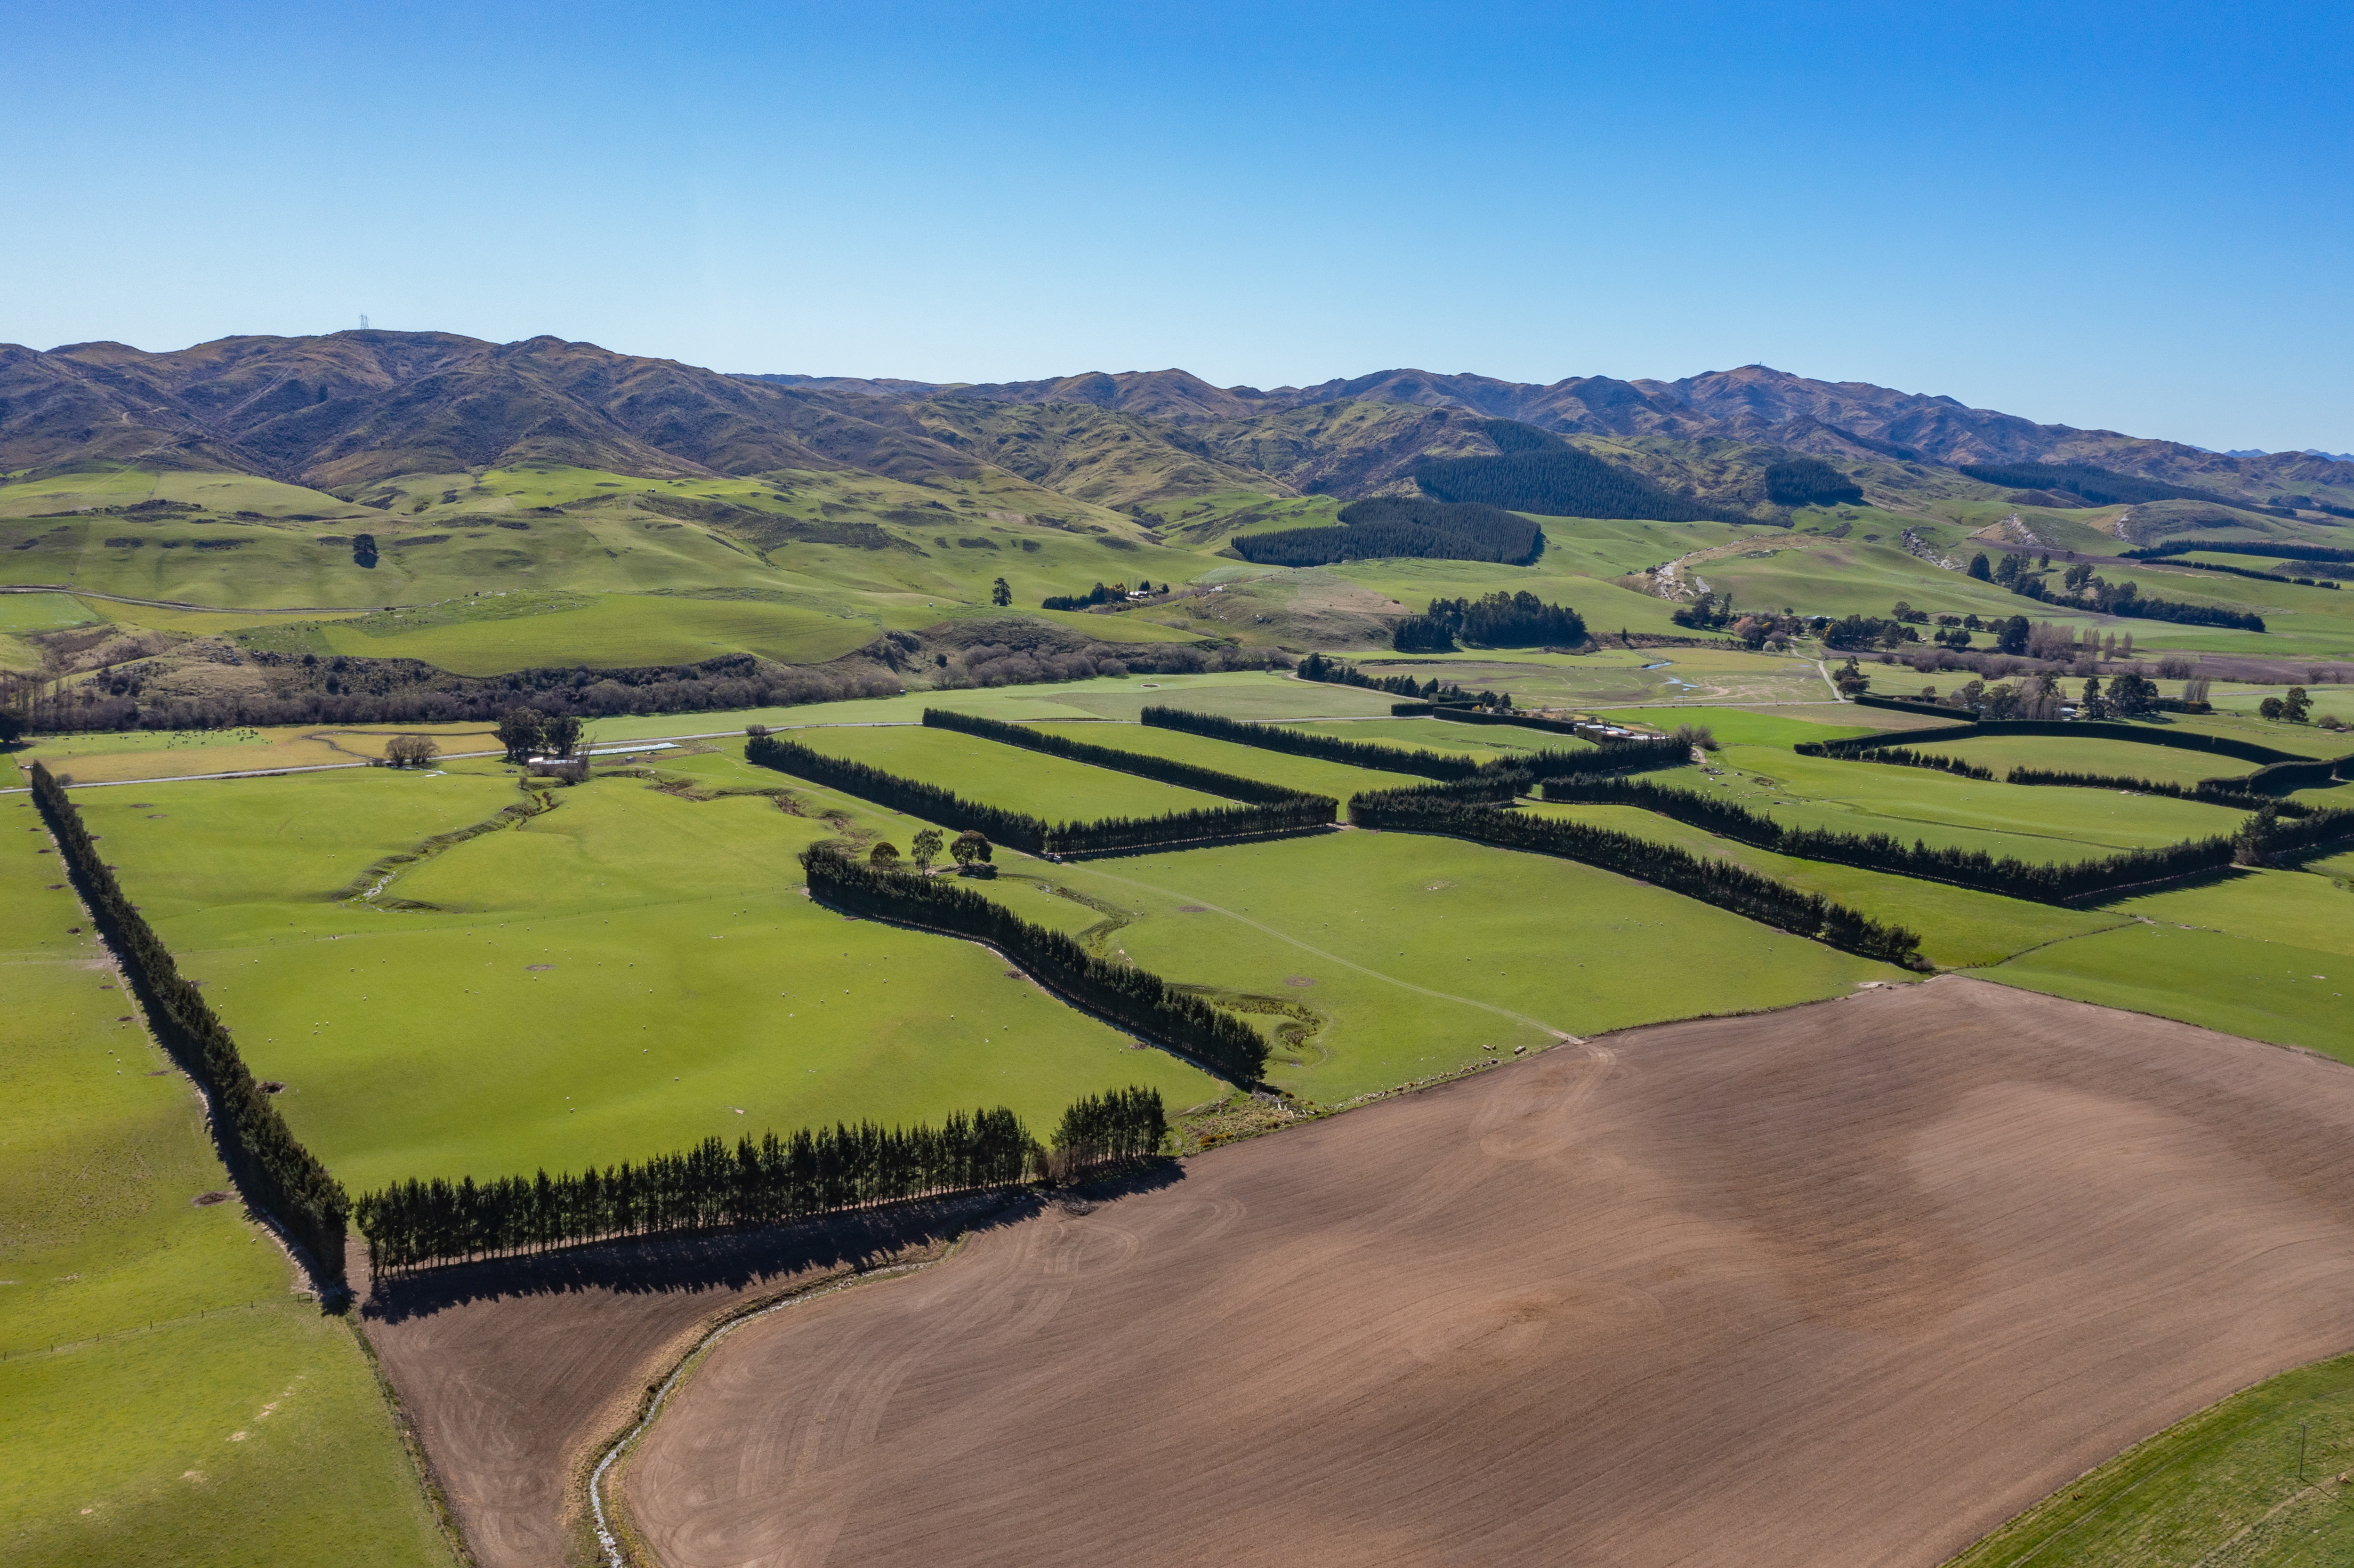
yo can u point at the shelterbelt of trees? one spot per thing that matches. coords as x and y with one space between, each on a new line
414 1224
2260 842
1444 809
1133 998
1186 775
1626 756
1288 814
276 1175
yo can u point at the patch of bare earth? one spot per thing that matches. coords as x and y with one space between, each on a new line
1850 1282
514 1374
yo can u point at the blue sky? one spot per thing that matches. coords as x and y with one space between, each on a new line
2136 218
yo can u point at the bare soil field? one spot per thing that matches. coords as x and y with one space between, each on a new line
515 1372
1849 1283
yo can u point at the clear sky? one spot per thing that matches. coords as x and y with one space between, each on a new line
2130 216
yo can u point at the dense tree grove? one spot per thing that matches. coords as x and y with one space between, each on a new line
1290 813
2011 877
1088 600
1711 880
1403 760
1800 481
1133 998
1507 621
1117 1128
277 1175
1559 481
1186 775
1394 525
412 1224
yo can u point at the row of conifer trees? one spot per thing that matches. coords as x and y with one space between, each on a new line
1184 775
1626 756
816 1171
2007 874
273 1171
1135 998
1289 813
1716 882
2207 791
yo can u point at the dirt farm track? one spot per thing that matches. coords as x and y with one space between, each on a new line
1846 1284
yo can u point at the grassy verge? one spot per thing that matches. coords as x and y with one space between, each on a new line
2221 1489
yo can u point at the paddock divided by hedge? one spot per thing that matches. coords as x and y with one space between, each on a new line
1137 1000
1715 882
276 1175
1290 814
1625 758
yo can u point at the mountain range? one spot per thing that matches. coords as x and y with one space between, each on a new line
353 407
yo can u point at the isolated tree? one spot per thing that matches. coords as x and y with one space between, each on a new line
364 550
1980 569
2011 638
559 734
2093 705
1849 680
2271 708
1000 593
925 848
2296 708
883 856
410 750
969 847
520 731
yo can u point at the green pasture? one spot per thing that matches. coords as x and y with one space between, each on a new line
1399 955
1251 693
2253 1480
2031 823
1606 606
1008 777
1958 927
1617 677
473 637
2288 992
2124 758
104 484
22 612
170 1399
1782 725
691 988
1478 741
1309 774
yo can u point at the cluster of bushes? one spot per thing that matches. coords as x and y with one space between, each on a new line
1500 621
1115 594
278 1176
1186 775
1289 813
412 1224
1714 882
1404 759
1332 672
1132 998
1556 480
1392 525
2008 875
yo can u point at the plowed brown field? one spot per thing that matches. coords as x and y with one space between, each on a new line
1847 1284
513 1371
